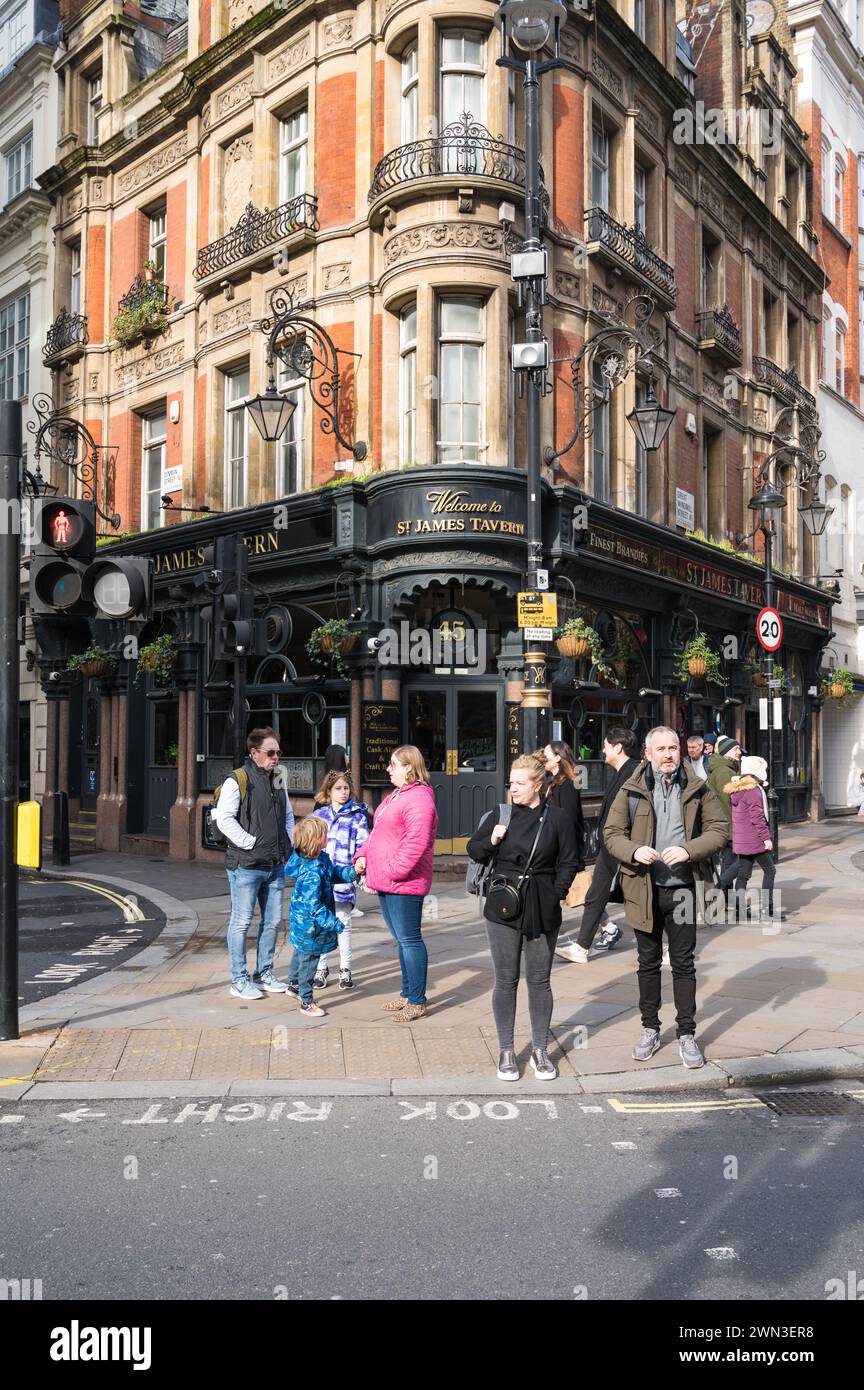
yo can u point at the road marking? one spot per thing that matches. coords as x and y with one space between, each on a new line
623 1144
667 1192
721 1252
82 1113
11 1119
684 1107
131 911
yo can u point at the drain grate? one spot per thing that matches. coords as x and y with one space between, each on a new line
816 1103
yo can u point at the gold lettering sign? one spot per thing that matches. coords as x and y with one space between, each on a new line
449 501
168 562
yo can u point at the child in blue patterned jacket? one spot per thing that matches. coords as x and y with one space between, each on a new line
312 922
348 829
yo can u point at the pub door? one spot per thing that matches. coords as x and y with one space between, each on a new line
89 746
161 763
459 731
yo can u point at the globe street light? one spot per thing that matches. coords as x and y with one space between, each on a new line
531 21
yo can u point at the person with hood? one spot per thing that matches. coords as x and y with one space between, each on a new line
663 827
313 925
397 862
723 765
348 830
751 830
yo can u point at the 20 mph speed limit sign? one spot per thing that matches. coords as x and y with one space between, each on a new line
769 629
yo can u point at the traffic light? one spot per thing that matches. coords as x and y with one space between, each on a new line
235 631
66 578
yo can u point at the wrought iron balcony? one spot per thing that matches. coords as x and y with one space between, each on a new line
257 231
786 383
464 149
67 338
719 333
144 293
628 248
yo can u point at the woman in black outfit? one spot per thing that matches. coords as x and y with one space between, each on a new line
535 932
561 790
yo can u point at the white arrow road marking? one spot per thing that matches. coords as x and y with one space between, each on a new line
82 1113
721 1252
11 1119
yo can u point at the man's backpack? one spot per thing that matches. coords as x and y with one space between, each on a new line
213 835
477 875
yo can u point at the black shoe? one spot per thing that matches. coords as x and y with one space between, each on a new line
294 989
320 980
345 980
507 1068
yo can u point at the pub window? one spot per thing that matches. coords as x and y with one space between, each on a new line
290 450
408 385
410 94
293 146
460 374
156 240
154 431
601 437
236 437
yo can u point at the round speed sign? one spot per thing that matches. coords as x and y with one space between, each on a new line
769 629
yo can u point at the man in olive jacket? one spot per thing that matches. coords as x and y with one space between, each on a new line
664 824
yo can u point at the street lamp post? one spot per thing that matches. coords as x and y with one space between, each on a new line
526 28
799 453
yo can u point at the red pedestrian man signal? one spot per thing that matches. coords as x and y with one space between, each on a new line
60 527
769 629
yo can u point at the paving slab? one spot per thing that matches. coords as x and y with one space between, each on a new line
827 1064
313 1054
665 1078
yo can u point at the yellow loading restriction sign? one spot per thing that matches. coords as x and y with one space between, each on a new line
537 610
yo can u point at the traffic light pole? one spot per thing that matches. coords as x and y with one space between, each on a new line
10 585
60 853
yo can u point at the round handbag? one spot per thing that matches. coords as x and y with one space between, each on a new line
504 899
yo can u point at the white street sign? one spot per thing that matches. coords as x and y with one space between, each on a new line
538 634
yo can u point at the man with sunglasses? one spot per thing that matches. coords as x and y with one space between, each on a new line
258 826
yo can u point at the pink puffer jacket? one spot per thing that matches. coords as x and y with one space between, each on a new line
399 850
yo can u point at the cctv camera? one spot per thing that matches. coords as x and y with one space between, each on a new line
373 643
53 676
214 579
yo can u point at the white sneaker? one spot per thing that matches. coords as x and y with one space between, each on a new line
572 951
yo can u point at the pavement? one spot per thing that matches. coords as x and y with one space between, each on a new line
776 1005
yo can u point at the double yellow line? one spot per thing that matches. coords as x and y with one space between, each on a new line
682 1107
131 911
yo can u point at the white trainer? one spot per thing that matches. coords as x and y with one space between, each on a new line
572 951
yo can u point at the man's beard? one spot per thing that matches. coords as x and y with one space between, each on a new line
660 771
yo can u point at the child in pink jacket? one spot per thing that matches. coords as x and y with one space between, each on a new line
397 861
751 833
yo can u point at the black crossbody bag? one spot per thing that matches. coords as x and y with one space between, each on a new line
504 899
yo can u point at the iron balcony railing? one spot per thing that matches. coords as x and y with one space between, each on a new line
631 245
255 231
721 326
465 148
787 383
152 293
67 331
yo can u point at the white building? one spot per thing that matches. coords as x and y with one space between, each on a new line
29 34
828 48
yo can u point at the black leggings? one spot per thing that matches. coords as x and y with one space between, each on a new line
765 860
507 946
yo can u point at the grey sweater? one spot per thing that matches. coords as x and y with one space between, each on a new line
669 831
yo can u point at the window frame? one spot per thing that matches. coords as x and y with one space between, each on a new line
409 93
826 177
15 352
295 432
288 146
601 438
157 239
149 446
407 387
838 370
75 278
641 173
95 92
461 69
462 339
231 407
600 165
22 167
838 195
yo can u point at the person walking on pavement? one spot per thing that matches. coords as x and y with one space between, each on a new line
664 823
313 924
751 831
258 826
697 758
397 862
620 747
722 766
348 829
536 854
560 763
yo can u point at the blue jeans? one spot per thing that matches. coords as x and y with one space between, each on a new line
402 913
302 973
248 886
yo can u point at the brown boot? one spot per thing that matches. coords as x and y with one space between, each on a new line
394 1006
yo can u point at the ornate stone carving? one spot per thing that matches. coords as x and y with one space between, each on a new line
206 117
713 391
151 168
290 57
567 285
203 332
97 189
712 200
239 11
682 175
235 317
297 288
390 5
685 373
646 118
438 559
771 260
235 97
606 76
70 390
73 204
336 275
153 362
337 30
571 46
760 419
238 178
605 303
93 381
441 236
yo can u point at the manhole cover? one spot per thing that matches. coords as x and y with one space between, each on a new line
817 1103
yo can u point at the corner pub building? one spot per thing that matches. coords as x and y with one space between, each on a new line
367 129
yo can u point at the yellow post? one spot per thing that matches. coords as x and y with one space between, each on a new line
28 835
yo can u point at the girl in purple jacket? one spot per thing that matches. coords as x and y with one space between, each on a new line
347 829
751 833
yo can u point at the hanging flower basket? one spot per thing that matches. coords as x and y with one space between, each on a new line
94 668
697 666
699 660
837 691
159 658
759 679
96 662
331 642
575 647
837 686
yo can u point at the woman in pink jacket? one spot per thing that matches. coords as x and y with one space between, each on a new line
397 862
